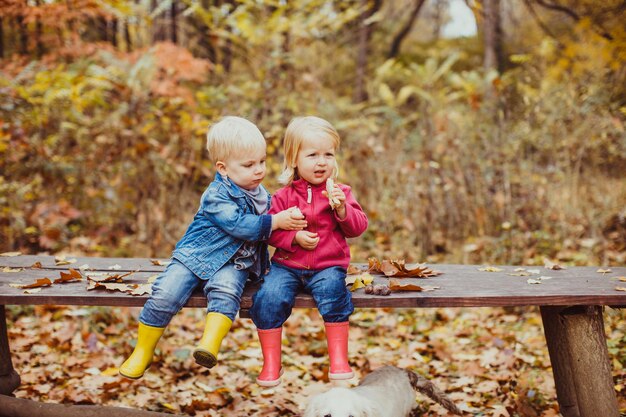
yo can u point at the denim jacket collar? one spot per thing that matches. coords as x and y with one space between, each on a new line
232 188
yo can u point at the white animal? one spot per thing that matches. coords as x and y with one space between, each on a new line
387 392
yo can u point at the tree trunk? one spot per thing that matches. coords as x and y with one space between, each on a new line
1 38
406 29
114 28
38 33
17 407
492 35
174 22
23 35
127 39
365 33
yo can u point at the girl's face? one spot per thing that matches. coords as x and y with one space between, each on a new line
316 160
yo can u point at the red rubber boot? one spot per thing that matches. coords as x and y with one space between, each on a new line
271 347
337 338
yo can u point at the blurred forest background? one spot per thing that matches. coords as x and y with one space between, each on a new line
503 146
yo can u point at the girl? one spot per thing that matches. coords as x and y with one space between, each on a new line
314 259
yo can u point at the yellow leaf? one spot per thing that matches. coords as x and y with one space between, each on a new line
490 269
620 288
11 254
604 271
361 281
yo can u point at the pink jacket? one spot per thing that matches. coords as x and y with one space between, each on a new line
332 249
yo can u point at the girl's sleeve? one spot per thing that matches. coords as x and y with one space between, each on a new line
228 216
355 222
279 238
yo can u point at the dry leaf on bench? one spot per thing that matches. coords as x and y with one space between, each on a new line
489 268
72 276
395 285
620 288
353 269
41 282
397 268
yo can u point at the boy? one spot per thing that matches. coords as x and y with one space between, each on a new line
223 246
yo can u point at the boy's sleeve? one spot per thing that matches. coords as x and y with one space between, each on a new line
279 238
228 216
355 222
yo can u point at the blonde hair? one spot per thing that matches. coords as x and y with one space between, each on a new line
231 136
299 130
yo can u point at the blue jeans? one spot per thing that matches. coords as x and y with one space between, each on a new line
172 289
273 302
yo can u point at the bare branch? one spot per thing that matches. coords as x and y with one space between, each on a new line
397 40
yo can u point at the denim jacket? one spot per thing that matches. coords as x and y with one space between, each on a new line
225 220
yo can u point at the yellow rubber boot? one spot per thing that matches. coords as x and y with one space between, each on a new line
141 358
216 327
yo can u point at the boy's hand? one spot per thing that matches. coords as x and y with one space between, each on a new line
307 240
290 219
340 198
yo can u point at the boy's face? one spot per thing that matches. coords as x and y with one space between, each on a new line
246 170
316 160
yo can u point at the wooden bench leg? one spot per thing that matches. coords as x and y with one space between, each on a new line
580 361
560 359
9 379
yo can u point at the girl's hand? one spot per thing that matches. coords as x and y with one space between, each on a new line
340 197
307 240
290 219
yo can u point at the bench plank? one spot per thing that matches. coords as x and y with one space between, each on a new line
460 286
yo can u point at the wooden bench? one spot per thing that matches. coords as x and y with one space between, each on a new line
571 304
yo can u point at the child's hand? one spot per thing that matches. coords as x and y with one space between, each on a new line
290 219
307 240
339 197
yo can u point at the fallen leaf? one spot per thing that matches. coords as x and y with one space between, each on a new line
10 254
37 265
115 267
604 271
32 291
533 281
61 260
521 274
156 262
397 268
41 282
71 276
490 269
621 278
353 269
395 285
620 288
9 269
534 271
361 281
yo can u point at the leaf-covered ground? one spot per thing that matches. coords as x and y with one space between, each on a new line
492 362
